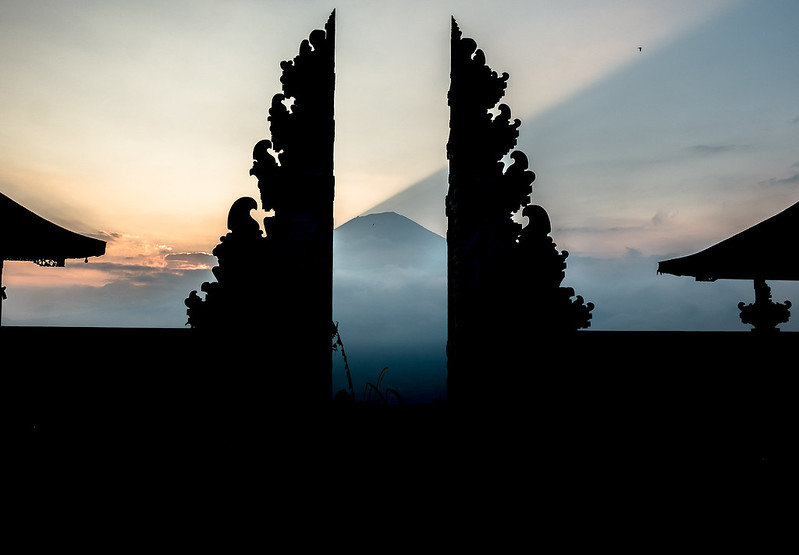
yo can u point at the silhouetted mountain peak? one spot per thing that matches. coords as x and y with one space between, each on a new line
388 225
387 238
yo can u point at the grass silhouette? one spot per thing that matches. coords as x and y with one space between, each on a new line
372 395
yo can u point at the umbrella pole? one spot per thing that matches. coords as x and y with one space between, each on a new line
764 314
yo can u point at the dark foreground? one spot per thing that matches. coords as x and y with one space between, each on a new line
641 417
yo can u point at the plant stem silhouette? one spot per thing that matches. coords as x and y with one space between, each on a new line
371 394
336 344
375 391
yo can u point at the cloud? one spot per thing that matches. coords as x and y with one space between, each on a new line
138 283
663 217
790 180
191 261
715 149
135 297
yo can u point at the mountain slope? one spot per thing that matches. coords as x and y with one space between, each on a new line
389 298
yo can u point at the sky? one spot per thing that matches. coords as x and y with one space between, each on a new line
134 122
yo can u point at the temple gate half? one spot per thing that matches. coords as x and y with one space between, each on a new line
505 300
273 295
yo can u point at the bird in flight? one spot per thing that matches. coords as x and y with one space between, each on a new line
639 49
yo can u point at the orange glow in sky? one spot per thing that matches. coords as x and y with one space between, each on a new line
135 122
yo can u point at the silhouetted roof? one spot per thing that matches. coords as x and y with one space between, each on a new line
27 236
767 250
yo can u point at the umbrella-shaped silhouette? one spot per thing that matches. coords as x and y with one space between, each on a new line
765 251
27 236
